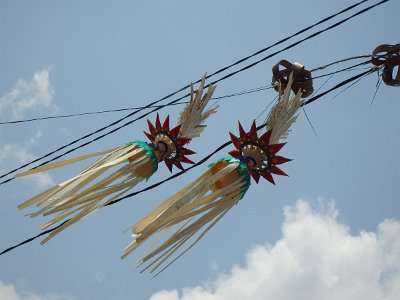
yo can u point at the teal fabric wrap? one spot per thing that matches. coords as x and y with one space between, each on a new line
149 151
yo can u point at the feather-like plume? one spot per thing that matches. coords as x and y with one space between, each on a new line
193 115
283 114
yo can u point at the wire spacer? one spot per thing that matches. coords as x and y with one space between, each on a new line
388 56
302 80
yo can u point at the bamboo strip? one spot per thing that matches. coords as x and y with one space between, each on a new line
64 162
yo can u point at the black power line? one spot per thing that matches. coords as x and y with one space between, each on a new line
244 92
182 89
302 40
202 161
213 74
240 93
175 103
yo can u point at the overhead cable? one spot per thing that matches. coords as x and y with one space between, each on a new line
176 100
202 161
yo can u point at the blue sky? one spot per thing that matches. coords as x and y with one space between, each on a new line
69 56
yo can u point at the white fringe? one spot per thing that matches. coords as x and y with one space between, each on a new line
198 206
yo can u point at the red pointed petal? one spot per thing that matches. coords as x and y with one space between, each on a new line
268 177
158 123
182 141
277 171
149 136
175 131
250 169
235 140
264 139
165 126
186 160
152 129
275 148
253 132
243 135
187 151
178 165
234 153
169 165
277 160
256 176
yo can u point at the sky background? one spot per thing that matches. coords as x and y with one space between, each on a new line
329 231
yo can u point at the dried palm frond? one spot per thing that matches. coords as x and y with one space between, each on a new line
193 115
283 114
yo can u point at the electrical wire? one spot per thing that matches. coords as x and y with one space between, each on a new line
174 102
202 161
214 82
240 93
213 74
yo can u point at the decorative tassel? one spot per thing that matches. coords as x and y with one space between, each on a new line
79 196
92 189
200 205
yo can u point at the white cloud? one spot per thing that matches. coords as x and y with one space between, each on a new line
214 266
19 154
28 96
316 258
99 276
163 295
9 292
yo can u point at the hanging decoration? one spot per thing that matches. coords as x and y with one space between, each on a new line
201 204
92 188
192 211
